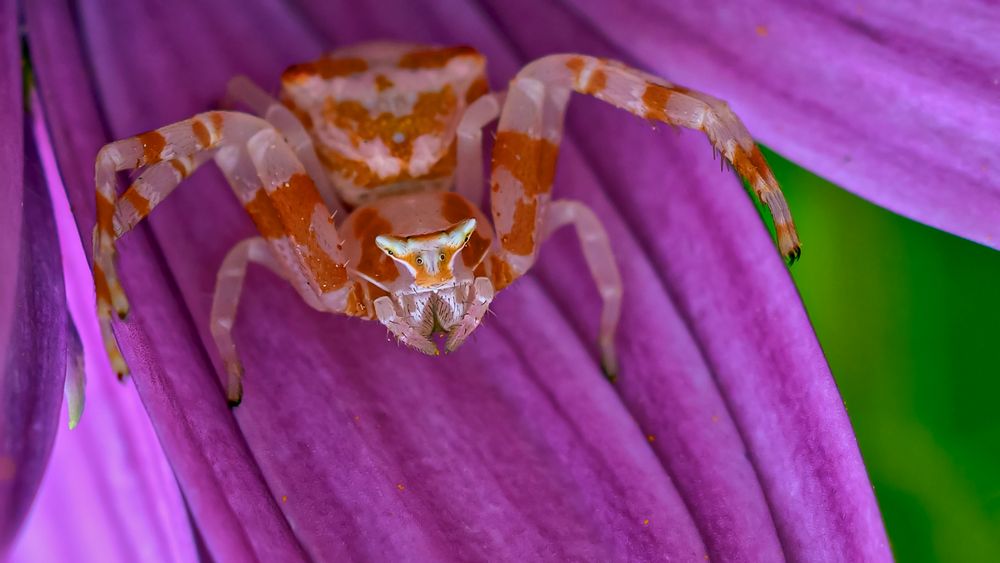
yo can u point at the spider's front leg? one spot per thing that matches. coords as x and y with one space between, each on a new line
299 240
469 171
656 99
524 159
170 153
524 163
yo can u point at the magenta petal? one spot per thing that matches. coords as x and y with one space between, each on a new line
108 492
895 104
34 354
726 438
32 303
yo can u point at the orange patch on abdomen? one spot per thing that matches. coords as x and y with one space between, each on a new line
434 57
361 175
325 68
397 132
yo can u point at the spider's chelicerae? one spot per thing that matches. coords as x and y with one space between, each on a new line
393 133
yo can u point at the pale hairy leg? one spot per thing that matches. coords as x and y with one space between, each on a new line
298 242
522 173
228 287
152 187
240 172
182 141
656 99
525 153
600 259
469 170
297 211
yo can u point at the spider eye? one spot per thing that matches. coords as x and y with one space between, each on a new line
389 252
441 257
420 260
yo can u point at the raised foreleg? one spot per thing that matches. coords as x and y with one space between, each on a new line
469 171
296 213
183 142
152 187
656 99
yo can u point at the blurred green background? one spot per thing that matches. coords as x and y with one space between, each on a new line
909 318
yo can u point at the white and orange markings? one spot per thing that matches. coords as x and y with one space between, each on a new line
385 114
350 181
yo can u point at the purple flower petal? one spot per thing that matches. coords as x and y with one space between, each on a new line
32 303
108 492
726 437
895 103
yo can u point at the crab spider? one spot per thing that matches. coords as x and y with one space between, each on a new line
392 133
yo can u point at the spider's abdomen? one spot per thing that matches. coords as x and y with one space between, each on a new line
383 115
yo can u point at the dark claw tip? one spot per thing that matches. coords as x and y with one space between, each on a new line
233 403
609 375
794 255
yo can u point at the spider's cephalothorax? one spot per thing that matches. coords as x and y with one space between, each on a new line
392 133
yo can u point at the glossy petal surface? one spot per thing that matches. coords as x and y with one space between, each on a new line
725 437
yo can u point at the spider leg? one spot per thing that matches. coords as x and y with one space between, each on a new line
469 171
295 213
241 173
601 260
522 171
228 287
152 187
242 89
656 99
183 141
277 249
